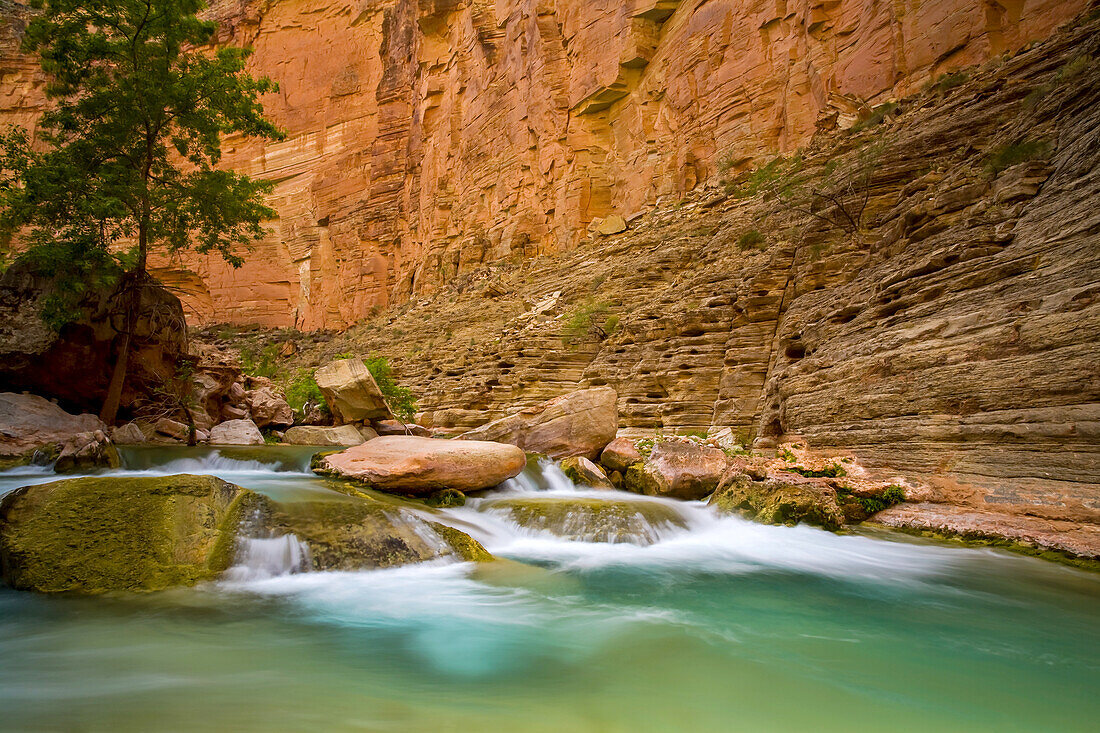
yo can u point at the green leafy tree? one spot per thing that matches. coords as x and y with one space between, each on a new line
128 153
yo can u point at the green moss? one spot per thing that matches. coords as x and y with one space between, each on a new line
590 519
463 544
100 534
446 498
780 502
834 470
1005 156
752 239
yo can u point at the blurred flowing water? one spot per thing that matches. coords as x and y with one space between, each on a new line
720 625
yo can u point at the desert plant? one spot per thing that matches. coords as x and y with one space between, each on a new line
752 239
1006 156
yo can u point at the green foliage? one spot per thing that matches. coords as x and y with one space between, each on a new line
77 277
834 470
787 455
763 178
130 145
399 398
873 504
878 116
260 362
947 82
1006 156
302 389
752 239
588 318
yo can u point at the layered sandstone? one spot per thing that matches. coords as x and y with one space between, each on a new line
951 339
427 138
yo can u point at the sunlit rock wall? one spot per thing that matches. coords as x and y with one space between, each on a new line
428 137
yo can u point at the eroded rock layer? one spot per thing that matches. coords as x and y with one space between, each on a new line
429 137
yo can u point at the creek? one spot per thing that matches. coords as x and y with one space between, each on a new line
686 621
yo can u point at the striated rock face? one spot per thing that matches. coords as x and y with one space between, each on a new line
951 338
428 138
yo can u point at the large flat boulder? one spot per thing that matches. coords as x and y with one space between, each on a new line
416 466
580 423
99 534
341 435
679 470
29 423
148 533
236 432
351 392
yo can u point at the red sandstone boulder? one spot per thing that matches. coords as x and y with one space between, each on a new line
680 470
236 432
269 407
351 392
620 454
341 435
576 424
407 464
29 423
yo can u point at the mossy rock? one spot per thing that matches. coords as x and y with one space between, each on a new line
591 520
775 501
359 532
99 534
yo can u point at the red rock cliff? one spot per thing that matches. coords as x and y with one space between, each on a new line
427 137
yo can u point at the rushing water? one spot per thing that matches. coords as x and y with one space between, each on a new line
723 626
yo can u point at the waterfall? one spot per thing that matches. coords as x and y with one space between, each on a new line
269 557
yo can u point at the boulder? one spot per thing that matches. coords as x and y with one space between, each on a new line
74 363
620 454
396 427
173 429
584 472
580 423
591 520
367 433
789 500
269 408
128 434
233 412
29 423
342 435
677 469
85 451
94 534
351 392
236 432
418 466
611 225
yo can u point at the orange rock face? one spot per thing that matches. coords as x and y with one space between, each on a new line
426 138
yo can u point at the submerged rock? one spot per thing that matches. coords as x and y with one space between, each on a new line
789 501
351 392
580 423
677 469
98 534
359 533
591 520
341 435
236 432
420 466
584 472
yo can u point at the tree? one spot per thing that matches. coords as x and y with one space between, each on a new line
128 152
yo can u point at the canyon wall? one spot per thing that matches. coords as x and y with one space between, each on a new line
429 137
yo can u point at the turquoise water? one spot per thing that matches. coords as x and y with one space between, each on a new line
728 626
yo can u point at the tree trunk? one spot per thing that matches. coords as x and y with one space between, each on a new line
122 359
134 282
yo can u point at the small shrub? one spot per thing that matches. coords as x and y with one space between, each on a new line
752 239
947 82
878 116
303 389
262 362
834 470
399 398
589 317
1006 156
787 456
